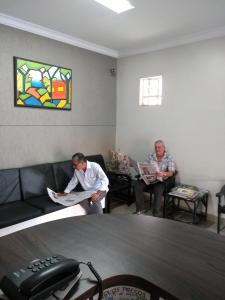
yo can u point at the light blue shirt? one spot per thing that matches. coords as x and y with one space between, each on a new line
93 178
166 164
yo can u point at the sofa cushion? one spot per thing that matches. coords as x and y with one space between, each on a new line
9 186
44 203
15 212
35 180
63 172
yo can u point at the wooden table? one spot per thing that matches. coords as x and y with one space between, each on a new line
175 260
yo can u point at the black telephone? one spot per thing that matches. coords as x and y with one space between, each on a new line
40 278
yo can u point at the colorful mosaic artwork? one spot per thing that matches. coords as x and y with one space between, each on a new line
42 85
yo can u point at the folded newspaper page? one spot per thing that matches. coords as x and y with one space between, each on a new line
146 170
185 192
71 198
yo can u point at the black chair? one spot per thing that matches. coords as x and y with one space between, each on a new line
120 185
221 208
120 188
169 184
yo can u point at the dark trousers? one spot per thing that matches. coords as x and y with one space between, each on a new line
157 189
93 207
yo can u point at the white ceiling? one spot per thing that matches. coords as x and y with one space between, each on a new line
153 24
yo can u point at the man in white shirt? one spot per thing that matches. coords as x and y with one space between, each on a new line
92 178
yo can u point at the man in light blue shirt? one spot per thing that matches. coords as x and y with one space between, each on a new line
91 178
166 169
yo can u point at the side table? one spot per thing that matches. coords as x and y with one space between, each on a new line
173 201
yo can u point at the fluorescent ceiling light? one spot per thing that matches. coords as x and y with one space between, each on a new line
118 6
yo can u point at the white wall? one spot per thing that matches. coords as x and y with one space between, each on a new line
191 119
32 136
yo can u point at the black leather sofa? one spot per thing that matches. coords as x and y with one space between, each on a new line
23 191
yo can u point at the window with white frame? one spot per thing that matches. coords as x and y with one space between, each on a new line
151 91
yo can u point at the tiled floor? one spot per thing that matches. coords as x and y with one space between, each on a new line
119 208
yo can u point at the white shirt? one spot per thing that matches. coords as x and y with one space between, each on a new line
93 178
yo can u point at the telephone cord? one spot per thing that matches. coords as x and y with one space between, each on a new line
97 276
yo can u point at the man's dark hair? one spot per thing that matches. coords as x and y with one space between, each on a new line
79 156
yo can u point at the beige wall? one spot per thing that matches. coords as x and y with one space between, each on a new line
31 136
191 119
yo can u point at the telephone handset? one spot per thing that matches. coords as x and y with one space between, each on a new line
40 278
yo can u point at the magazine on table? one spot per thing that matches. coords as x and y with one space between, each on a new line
185 192
146 170
71 198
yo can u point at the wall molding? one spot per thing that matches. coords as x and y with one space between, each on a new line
71 40
178 41
55 35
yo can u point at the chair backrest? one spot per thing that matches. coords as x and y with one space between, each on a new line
63 172
35 180
9 186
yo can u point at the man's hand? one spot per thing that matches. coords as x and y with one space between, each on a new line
161 174
164 174
62 194
95 195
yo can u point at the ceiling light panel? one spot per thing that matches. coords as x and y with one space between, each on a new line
117 6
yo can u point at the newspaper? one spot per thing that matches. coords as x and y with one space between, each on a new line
146 170
185 192
71 198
